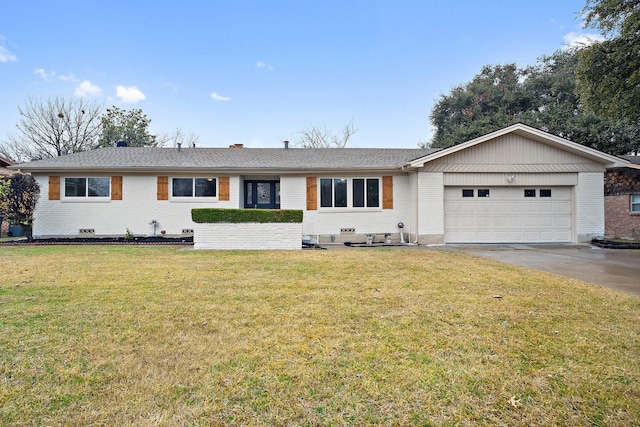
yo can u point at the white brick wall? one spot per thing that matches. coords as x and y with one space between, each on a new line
248 236
430 200
589 206
111 218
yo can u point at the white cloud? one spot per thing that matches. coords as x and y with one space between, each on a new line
5 54
129 95
68 78
580 40
261 64
42 73
217 97
86 88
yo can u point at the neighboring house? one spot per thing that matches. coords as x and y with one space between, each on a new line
518 184
4 163
622 200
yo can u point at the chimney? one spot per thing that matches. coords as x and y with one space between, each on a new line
236 146
286 145
179 146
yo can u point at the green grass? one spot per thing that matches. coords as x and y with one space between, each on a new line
119 335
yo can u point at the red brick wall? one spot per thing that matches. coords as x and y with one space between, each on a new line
618 220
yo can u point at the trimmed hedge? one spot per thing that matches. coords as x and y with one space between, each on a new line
207 215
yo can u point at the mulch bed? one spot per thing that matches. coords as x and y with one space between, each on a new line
103 241
616 244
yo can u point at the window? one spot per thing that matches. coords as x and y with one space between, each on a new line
87 187
467 193
366 192
361 192
483 193
193 187
529 193
545 193
635 203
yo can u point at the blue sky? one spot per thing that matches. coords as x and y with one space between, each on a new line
258 72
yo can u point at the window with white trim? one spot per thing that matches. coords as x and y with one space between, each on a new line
350 193
635 203
193 187
87 187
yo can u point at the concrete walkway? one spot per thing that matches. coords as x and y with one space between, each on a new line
617 269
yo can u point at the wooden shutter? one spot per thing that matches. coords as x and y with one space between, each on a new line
54 188
223 188
116 188
312 193
387 192
163 188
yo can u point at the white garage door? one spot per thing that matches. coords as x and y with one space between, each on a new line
507 214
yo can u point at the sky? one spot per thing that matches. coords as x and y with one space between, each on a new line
258 72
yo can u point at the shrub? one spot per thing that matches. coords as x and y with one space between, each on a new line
207 215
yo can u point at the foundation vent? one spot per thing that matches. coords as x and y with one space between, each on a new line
87 231
347 230
187 231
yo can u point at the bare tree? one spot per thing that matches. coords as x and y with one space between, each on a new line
179 137
320 137
54 127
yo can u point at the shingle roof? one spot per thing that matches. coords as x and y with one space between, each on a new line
293 159
634 160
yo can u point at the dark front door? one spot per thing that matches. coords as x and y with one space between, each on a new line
262 194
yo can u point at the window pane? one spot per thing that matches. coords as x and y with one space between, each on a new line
529 193
182 187
373 193
467 193
248 194
545 193
635 203
205 187
340 189
483 193
99 187
75 187
325 193
358 193
264 193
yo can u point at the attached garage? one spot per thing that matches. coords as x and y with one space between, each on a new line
508 214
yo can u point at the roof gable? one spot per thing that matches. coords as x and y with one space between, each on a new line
520 144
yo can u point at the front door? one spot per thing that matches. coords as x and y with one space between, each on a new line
262 194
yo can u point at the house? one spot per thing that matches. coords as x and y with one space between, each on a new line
622 200
518 184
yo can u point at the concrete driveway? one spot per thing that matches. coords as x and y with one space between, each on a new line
612 268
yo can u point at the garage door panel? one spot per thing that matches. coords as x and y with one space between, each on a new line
508 216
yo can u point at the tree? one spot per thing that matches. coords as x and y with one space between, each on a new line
543 96
54 127
131 127
493 99
320 137
18 200
608 74
178 137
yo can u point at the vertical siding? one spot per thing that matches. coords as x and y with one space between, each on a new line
589 206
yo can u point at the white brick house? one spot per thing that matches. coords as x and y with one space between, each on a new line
518 184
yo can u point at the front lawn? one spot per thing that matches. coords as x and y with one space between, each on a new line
159 336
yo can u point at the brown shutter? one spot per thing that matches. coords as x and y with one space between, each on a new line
163 188
54 188
387 192
116 188
223 188
312 193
